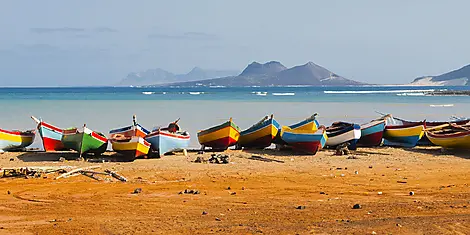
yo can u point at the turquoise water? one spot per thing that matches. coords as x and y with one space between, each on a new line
106 108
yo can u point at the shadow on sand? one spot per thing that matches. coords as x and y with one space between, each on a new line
39 156
437 151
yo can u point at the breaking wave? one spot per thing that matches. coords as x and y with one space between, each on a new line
376 91
284 94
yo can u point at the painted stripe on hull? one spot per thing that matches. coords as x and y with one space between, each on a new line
164 142
262 142
260 137
307 147
456 141
371 140
15 140
51 138
52 144
407 141
131 149
222 143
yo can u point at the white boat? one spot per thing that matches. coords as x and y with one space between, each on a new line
342 132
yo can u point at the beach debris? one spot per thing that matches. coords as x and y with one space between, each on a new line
401 182
356 172
370 167
399 225
204 213
76 172
243 188
342 149
190 191
200 160
8 192
373 232
357 206
412 193
62 159
137 191
352 157
233 193
300 207
116 175
32 171
12 159
217 219
322 192
379 193
219 159
228 188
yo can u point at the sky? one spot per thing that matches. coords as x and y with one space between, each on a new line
89 42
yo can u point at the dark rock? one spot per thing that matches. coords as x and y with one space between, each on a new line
357 206
243 188
228 188
196 192
217 219
12 159
61 159
300 207
204 213
200 152
137 191
370 166
412 193
322 192
352 157
233 193
8 192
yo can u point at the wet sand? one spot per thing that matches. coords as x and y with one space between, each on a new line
264 194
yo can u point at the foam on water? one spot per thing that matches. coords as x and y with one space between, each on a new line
376 91
284 94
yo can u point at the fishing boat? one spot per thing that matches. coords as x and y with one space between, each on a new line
309 123
51 136
402 134
372 133
343 132
84 141
260 135
169 139
15 140
450 135
308 141
129 141
219 137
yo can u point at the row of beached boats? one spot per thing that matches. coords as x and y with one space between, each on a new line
305 136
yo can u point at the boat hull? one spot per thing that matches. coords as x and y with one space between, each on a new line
51 137
306 141
403 135
372 134
220 137
451 141
85 142
14 140
165 142
133 148
350 134
310 124
260 136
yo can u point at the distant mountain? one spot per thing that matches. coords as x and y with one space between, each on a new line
275 74
459 77
160 76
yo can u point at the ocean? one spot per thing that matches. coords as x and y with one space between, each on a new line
105 108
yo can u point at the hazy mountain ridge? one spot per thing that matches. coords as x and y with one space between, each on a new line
458 77
273 73
160 76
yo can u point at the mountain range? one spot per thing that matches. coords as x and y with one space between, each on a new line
159 76
459 77
273 73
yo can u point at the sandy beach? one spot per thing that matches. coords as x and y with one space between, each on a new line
257 192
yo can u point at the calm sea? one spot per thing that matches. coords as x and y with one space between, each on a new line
104 108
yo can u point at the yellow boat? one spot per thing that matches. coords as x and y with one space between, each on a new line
260 135
133 147
310 124
219 137
450 136
402 134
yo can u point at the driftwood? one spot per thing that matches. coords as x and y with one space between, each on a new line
76 171
32 170
116 175
91 175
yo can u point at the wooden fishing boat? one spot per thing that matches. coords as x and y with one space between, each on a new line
309 123
85 141
260 135
219 137
129 141
450 135
372 133
169 139
401 134
15 140
308 141
343 132
51 136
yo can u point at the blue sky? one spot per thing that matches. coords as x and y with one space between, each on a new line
89 42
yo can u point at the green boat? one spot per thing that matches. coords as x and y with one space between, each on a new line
84 142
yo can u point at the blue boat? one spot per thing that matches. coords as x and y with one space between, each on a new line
166 140
307 141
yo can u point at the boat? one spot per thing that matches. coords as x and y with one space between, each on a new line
309 123
307 141
450 135
84 141
372 133
15 140
51 136
402 134
129 141
169 139
219 137
260 135
343 132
